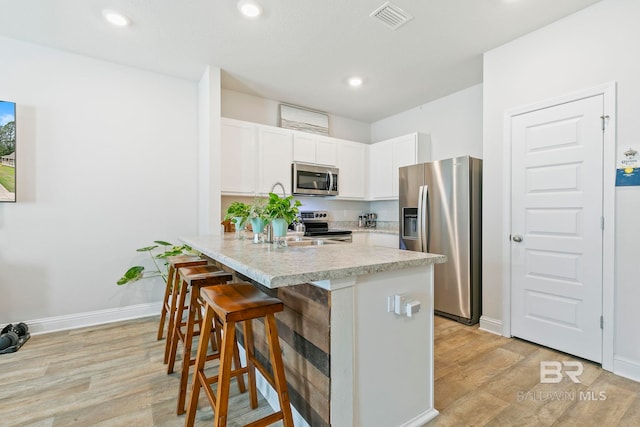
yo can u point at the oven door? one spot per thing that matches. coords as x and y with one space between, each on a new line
314 180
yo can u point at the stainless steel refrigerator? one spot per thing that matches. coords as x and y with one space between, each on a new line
441 212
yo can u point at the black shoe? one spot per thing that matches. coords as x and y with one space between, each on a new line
20 329
8 340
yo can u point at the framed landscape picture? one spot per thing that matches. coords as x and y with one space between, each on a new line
298 118
7 151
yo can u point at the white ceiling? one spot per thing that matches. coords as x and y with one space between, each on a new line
300 51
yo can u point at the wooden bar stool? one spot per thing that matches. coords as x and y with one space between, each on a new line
229 304
191 280
168 307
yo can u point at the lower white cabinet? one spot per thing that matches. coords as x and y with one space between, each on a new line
359 238
385 240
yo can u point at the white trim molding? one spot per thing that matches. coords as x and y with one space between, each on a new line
91 318
626 368
608 91
491 325
421 419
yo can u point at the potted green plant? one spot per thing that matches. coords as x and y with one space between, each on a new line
258 219
238 213
138 272
281 211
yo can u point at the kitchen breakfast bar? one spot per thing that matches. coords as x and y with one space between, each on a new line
350 359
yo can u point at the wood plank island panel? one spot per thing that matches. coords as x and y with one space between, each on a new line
304 331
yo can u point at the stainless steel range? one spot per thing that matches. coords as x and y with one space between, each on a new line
316 226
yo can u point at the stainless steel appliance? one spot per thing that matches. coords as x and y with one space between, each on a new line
314 180
316 226
441 212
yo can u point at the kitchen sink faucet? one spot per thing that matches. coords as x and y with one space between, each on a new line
268 229
284 192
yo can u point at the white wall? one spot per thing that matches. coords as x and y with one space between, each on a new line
107 161
454 123
240 106
595 46
209 152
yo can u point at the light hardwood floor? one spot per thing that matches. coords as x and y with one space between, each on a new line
482 379
107 375
113 375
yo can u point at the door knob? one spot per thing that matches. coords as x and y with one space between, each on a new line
517 238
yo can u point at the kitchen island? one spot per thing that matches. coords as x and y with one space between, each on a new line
348 360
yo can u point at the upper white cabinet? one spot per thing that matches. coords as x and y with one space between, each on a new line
255 157
352 166
380 170
386 157
239 160
275 154
310 148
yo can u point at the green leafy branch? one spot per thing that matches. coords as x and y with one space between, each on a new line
138 272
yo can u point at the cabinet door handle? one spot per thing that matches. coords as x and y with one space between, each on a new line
517 238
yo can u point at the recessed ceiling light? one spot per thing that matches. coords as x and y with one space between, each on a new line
249 8
355 81
115 18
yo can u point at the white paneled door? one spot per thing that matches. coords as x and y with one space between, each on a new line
556 217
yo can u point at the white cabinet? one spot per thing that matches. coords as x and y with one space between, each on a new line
326 151
238 154
380 170
274 158
385 240
386 157
352 166
254 157
310 148
359 238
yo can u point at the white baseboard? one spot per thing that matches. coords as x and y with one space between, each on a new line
626 368
421 419
91 318
493 326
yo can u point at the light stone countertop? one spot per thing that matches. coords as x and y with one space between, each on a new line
277 267
373 231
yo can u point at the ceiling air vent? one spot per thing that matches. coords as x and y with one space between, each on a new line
391 16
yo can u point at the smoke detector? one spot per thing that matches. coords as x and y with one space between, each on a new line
391 16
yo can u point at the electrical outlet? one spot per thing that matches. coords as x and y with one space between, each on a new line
400 304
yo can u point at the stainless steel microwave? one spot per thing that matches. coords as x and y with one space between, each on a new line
314 180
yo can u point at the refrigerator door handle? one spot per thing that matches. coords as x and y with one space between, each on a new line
420 218
423 197
425 219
